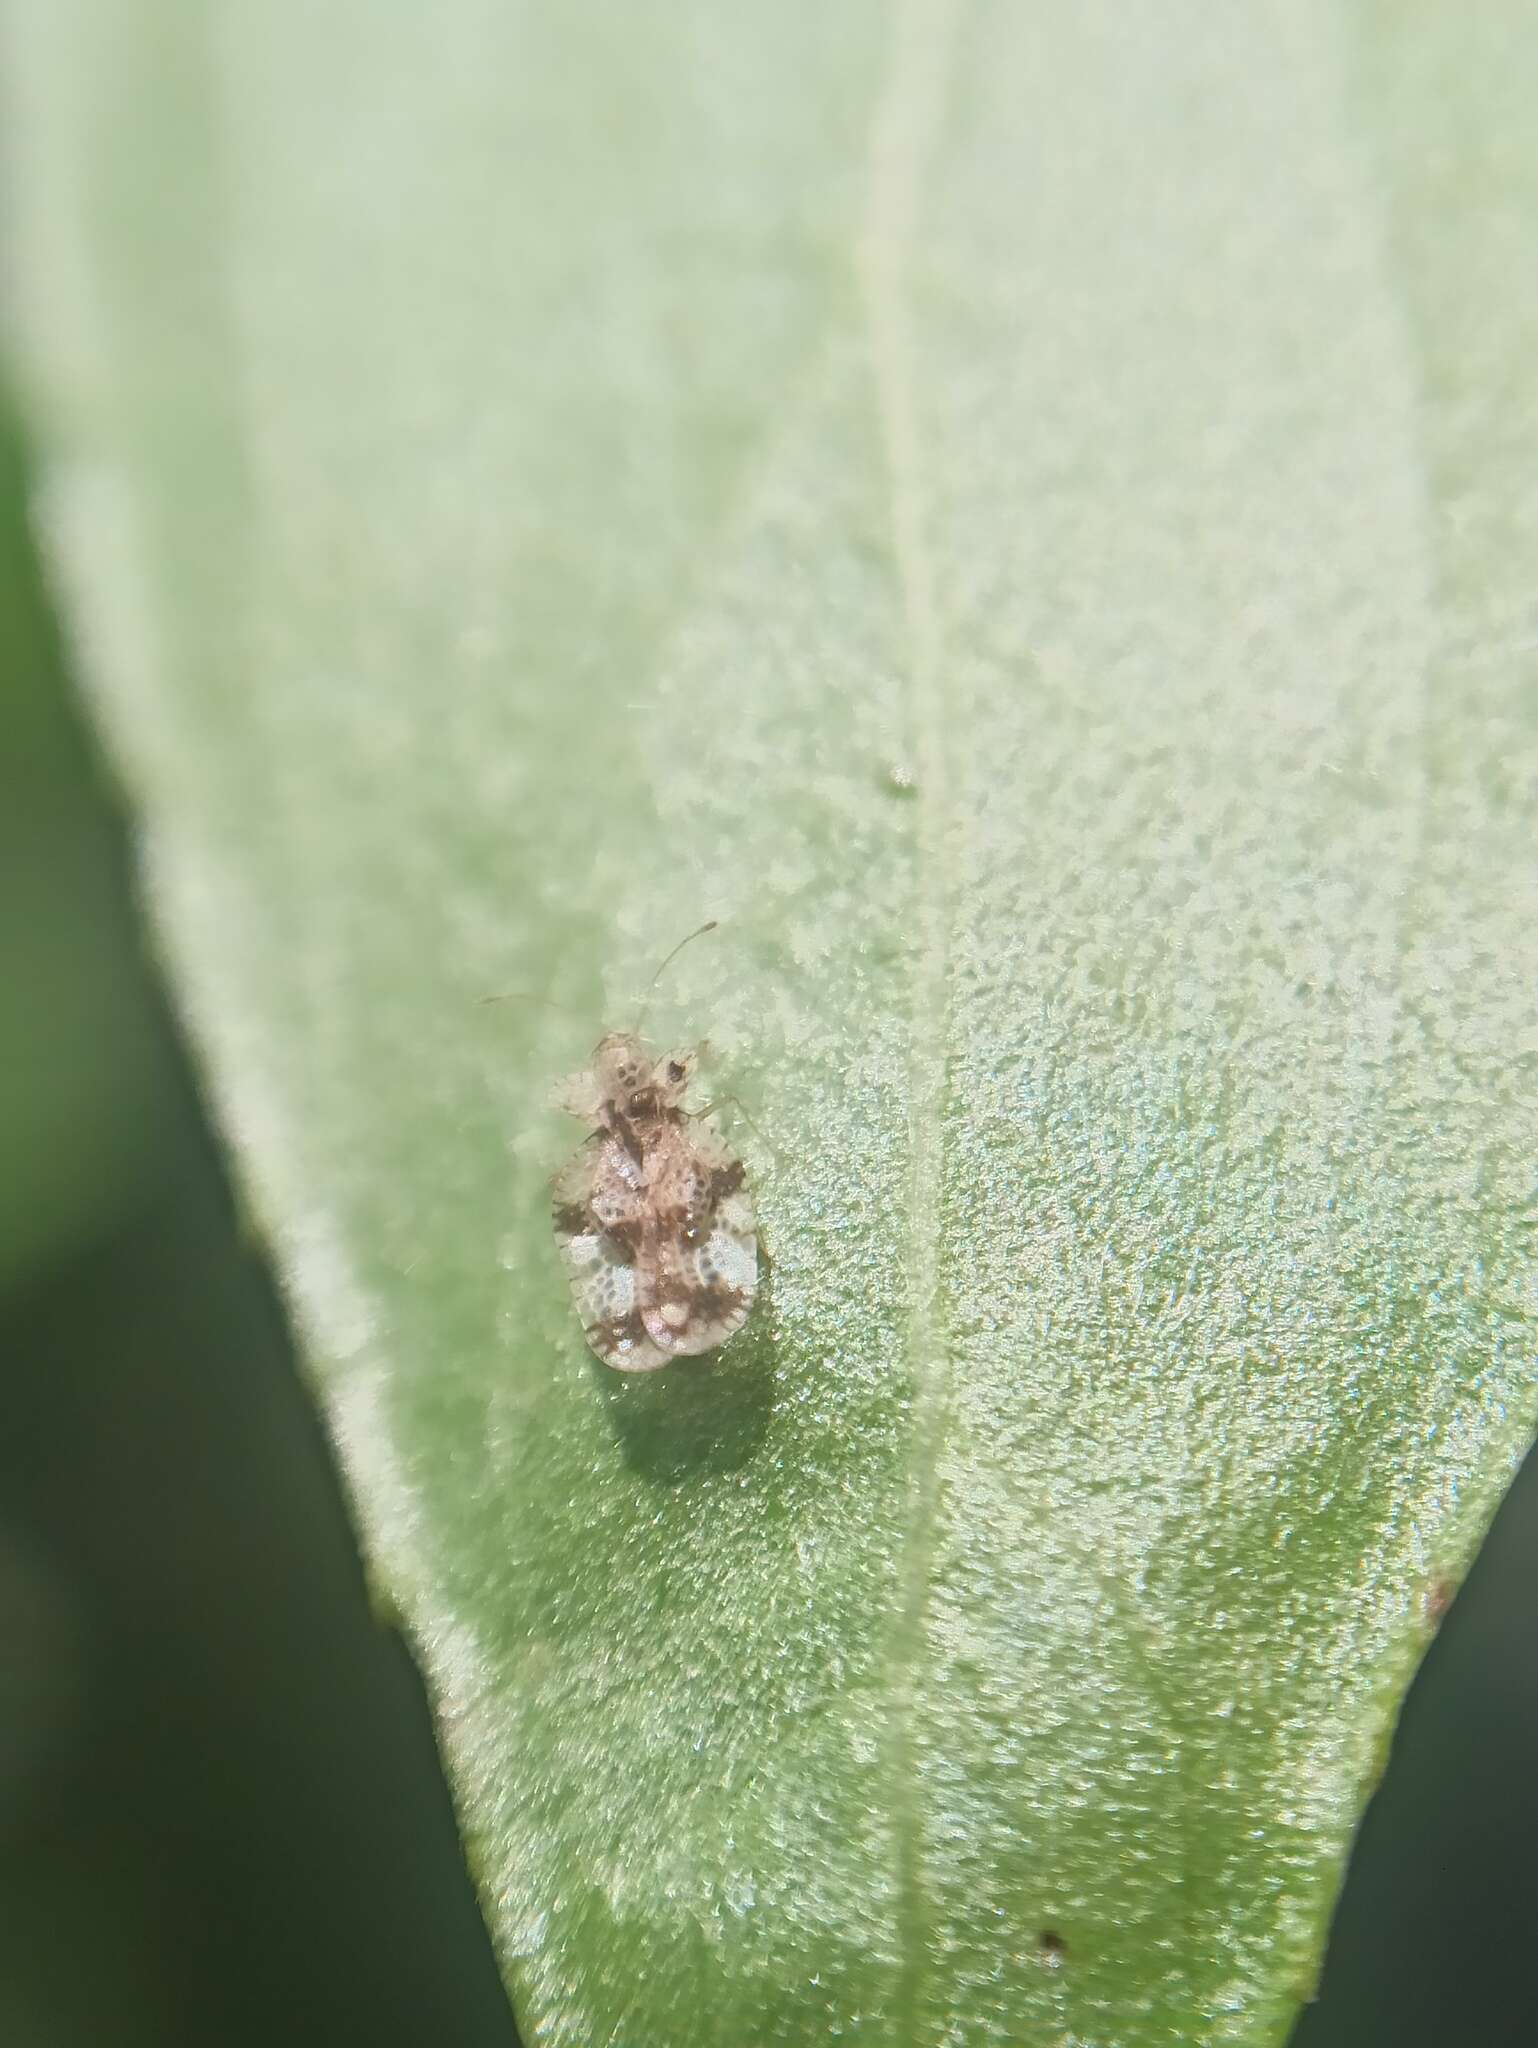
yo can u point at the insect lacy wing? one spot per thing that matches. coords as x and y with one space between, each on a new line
694 1296
731 1249
600 1273
579 1095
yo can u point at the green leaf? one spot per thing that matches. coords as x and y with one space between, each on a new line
1027 516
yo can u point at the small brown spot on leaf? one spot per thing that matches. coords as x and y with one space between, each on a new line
1437 1598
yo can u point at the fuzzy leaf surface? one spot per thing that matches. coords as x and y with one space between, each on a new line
1027 516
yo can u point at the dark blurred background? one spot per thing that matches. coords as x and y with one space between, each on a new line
222 1818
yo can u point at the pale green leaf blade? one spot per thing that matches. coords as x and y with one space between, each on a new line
1024 515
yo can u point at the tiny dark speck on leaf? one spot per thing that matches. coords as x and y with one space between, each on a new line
1052 1948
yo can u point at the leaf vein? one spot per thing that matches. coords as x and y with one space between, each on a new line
907 115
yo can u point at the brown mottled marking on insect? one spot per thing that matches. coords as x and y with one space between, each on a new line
653 1215
624 1240
713 1303
624 1131
613 1333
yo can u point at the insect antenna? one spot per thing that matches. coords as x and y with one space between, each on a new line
737 1103
645 1004
523 995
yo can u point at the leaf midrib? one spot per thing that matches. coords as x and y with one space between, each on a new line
907 112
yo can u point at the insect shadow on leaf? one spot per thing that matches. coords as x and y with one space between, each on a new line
701 1415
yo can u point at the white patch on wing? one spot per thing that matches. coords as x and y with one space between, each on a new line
603 1287
728 1259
